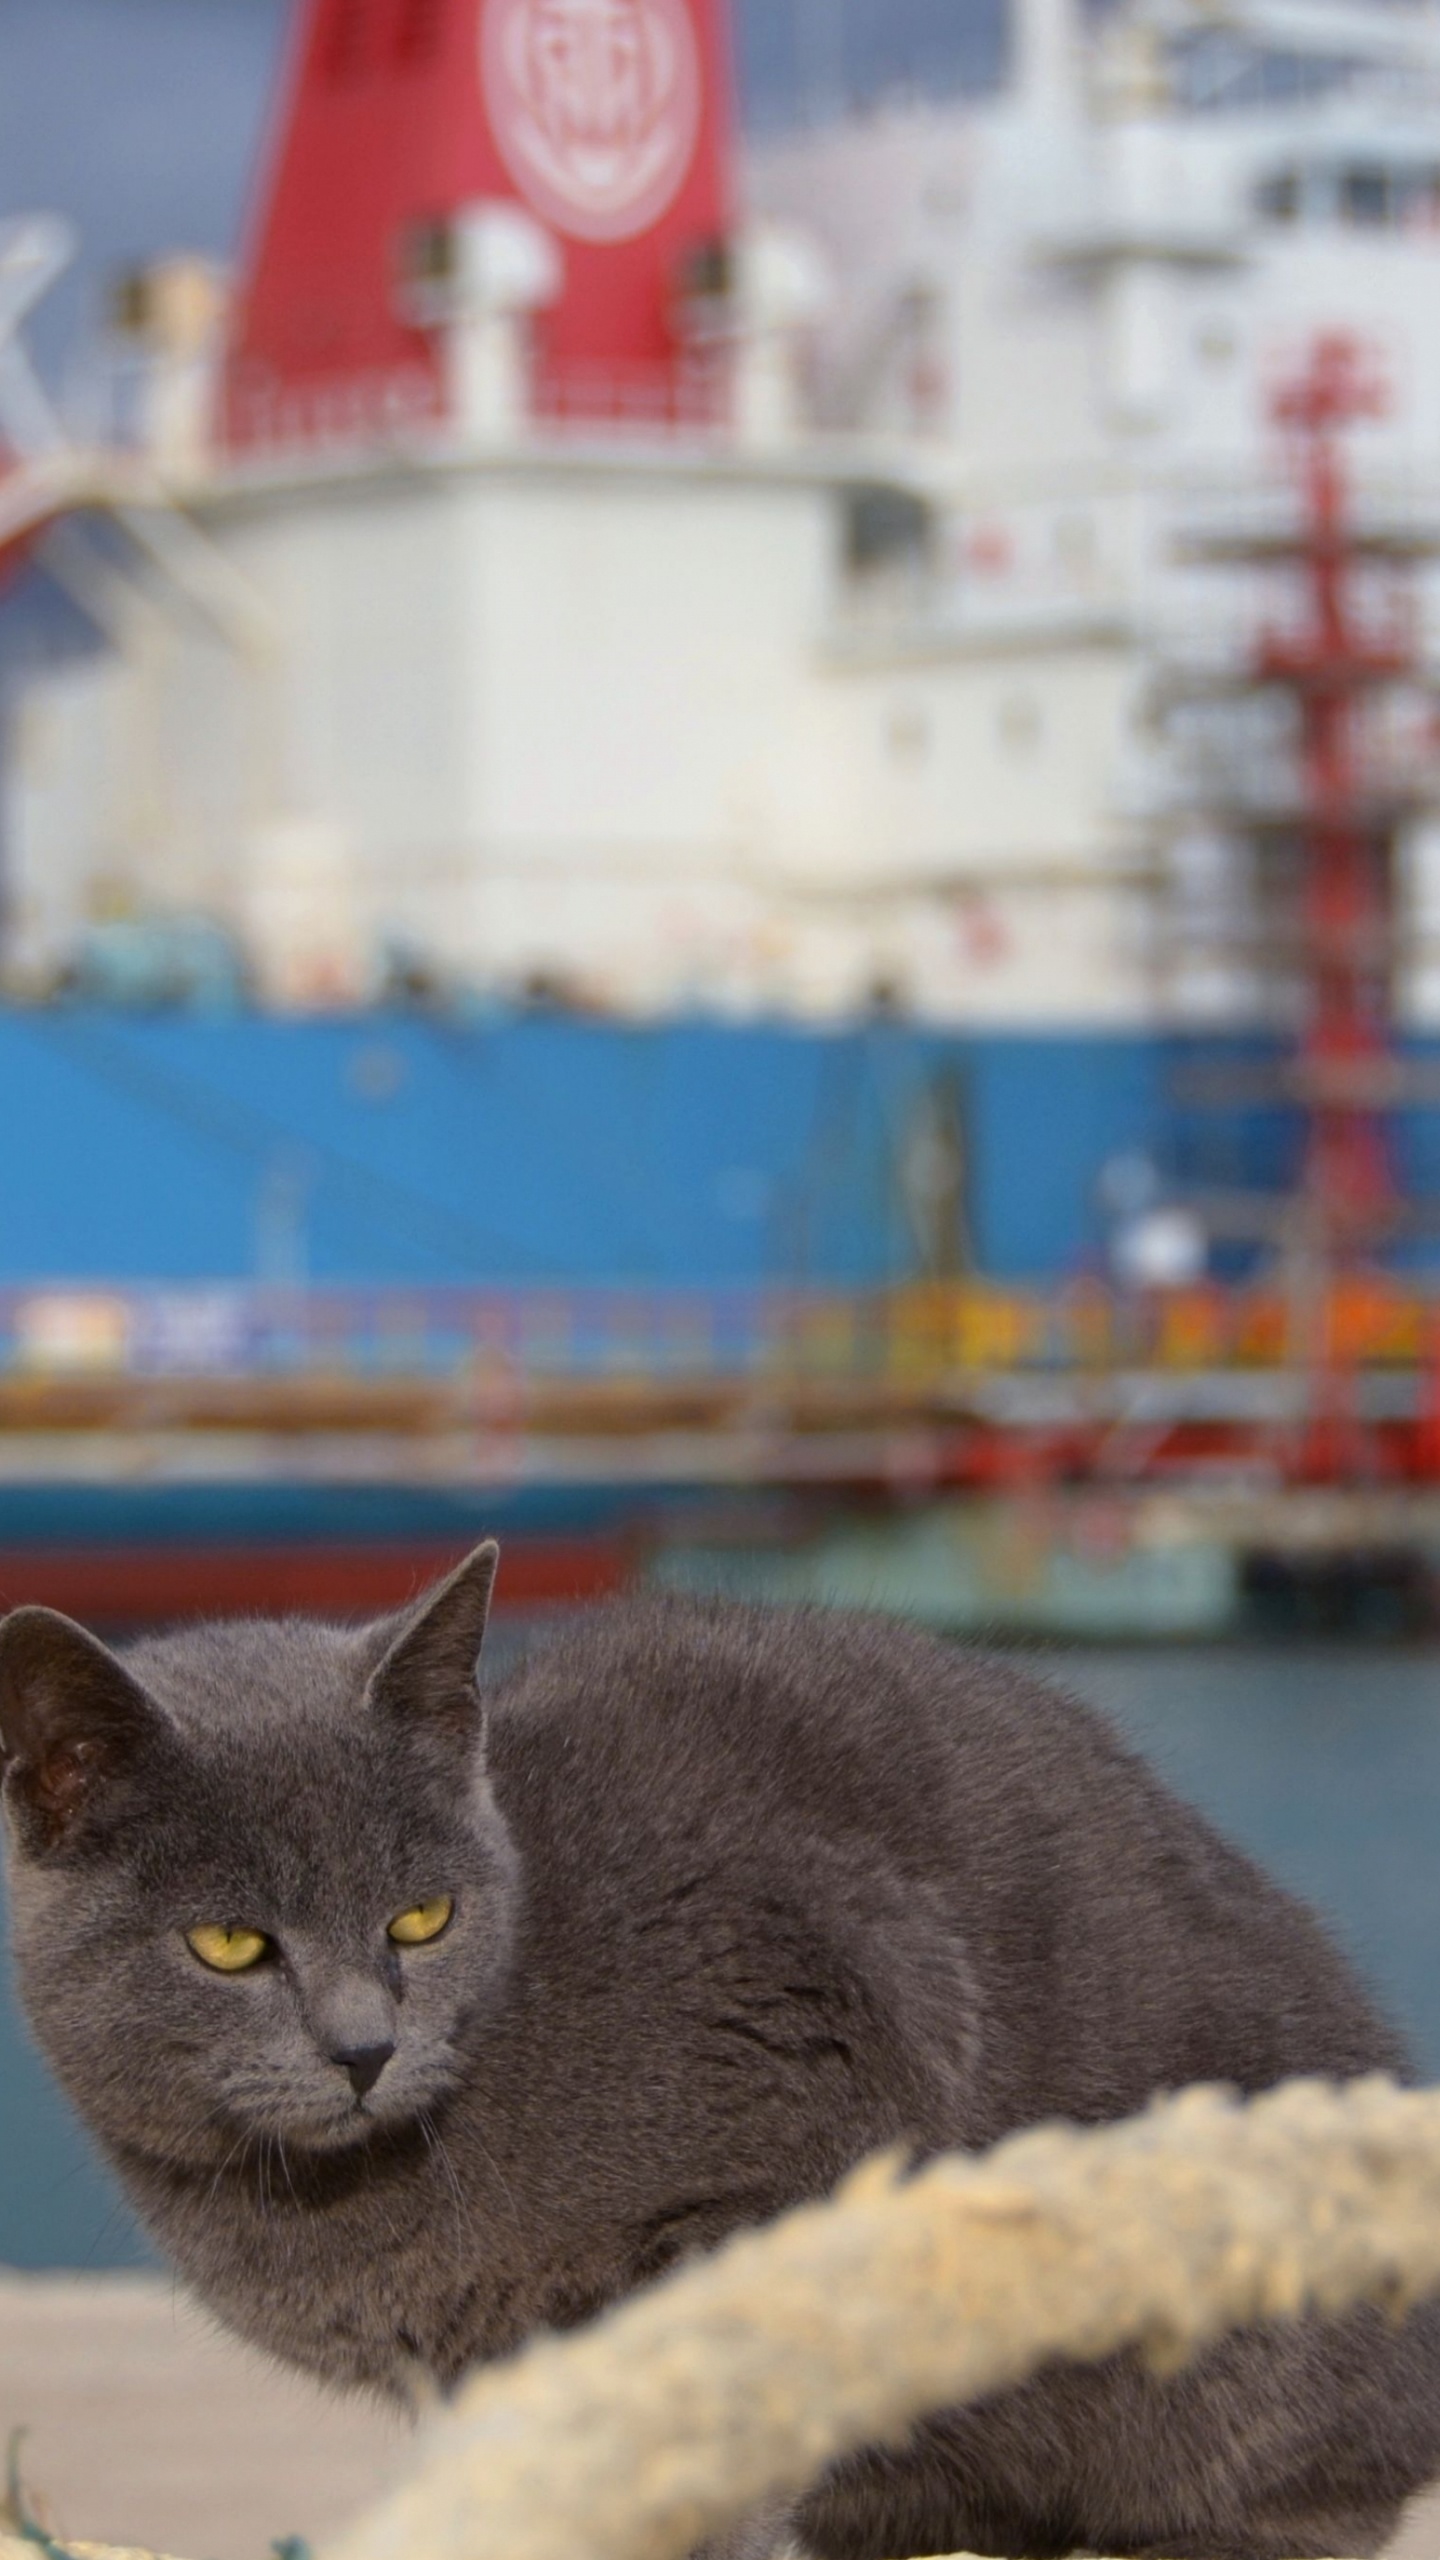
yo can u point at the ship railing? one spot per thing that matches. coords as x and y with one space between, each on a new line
268 422
1207 653
1393 777
265 421
1392 501
691 395
907 1335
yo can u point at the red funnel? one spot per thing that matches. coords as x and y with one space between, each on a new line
609 121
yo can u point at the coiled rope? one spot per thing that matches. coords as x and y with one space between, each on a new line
738 2379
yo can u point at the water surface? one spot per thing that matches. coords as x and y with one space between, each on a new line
1324 1762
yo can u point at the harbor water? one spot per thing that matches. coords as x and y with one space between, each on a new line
1324 1763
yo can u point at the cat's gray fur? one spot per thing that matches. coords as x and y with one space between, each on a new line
740 1898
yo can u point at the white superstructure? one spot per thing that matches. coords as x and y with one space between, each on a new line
849 701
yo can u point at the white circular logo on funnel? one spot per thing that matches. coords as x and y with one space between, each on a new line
595 107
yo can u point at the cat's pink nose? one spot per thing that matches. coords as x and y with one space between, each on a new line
364 2063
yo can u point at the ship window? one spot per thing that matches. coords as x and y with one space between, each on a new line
1367 197
417 31
343 43
1363 195
1277 199
1372 196
1417 199
886 527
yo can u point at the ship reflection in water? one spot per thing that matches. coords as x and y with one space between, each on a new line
1323 1762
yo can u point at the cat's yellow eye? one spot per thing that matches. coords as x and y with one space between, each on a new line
227 1950
416 1928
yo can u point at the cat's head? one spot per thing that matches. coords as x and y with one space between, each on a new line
258 1879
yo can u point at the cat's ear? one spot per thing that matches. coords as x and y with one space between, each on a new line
426 1674
72 1724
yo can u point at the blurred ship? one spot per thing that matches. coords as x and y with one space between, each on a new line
631 670
575 559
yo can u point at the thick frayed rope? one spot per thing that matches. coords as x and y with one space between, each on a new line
737 2380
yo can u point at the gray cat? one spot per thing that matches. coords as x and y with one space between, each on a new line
414 2025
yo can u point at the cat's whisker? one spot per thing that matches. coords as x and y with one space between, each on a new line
262 2200
477 2135
284 2159
436 2148
99 2237
237 2146
401 2235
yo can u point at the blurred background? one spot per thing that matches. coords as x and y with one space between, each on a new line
720 796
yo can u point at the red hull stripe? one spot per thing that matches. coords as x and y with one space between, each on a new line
136 1585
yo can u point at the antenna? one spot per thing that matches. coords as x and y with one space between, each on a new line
1045 46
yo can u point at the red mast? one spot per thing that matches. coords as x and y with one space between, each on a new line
1345 649
1346 924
